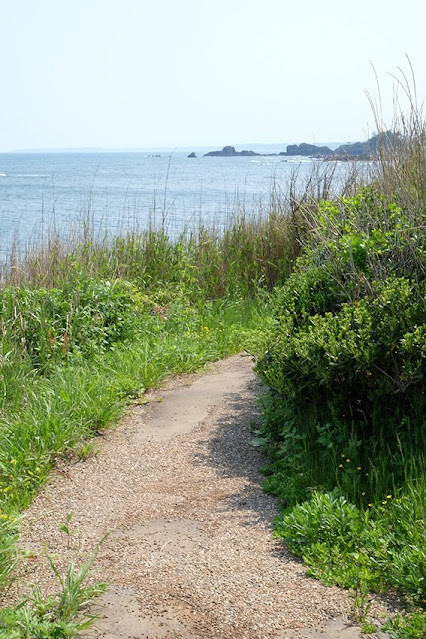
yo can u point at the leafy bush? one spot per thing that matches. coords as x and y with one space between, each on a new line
346 357
325 517
367 353
407 626
384 547
344 418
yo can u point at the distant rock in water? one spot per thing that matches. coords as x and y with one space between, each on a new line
247 153
230 152
310 150
353 149
192 155
227 152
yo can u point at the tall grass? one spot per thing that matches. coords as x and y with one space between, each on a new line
247 252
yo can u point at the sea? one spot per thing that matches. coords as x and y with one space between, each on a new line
116 192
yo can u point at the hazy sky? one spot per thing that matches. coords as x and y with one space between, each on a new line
139 73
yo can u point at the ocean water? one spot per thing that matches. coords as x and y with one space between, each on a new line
120 191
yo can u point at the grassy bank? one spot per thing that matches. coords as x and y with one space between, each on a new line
89 327
344 358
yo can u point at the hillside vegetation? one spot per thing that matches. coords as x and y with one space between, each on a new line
345 361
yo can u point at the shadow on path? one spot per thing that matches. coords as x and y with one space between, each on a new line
231 455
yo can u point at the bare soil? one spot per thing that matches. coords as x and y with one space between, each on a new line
190 553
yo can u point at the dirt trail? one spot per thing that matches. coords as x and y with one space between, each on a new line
190 554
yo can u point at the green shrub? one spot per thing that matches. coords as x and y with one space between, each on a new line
346 356
384 547
364 353
407 626
325 517
344 419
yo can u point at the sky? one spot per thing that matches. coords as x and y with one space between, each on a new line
182 73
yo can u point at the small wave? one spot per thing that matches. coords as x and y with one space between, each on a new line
268 161
264 162
30 175
3 175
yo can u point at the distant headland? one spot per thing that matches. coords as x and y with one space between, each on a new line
356 150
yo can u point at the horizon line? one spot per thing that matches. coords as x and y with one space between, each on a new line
136 149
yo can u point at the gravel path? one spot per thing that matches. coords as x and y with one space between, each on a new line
190 554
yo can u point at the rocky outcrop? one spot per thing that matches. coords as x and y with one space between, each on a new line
310 150
230 152
356 150
226 152
192 155
370 149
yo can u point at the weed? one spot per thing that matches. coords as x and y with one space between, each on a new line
86 450
61 617
407 626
